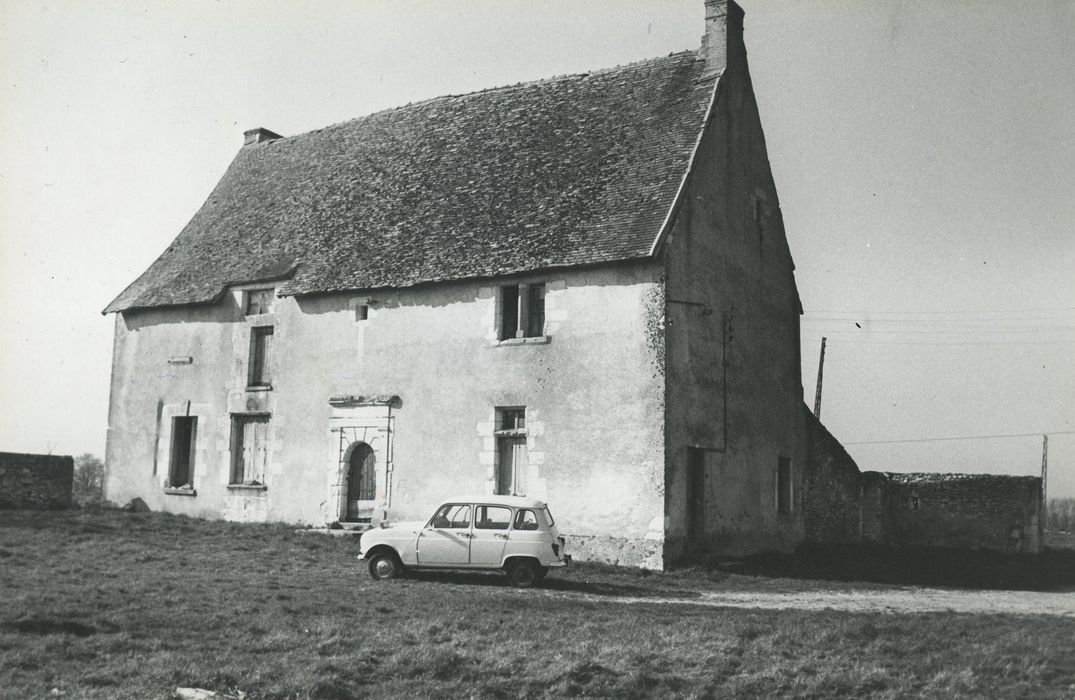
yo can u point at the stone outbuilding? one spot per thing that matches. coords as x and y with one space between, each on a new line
578 289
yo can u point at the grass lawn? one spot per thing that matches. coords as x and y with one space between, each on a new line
110 604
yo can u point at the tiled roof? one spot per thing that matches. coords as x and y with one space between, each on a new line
576 170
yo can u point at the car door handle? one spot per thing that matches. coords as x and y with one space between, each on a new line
500 535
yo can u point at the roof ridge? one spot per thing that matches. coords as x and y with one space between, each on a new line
484 91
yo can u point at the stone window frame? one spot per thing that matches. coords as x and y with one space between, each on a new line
525 300
199 446
235 449
172 484
259 362
504 435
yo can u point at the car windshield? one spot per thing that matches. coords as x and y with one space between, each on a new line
548 516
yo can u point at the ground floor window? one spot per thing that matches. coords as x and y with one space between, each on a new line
249 449
181 465
783 485
511 465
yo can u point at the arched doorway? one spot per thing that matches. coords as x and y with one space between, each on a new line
361 483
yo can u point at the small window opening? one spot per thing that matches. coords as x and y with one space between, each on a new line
511 419
181 467
260 356
696 495
783 485
914 503
258 301
362 312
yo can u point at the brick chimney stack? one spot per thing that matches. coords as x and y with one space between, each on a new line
723 34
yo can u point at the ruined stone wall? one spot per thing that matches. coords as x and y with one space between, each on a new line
831 487
35 481
977 511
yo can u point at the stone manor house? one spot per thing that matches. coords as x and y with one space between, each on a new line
578 289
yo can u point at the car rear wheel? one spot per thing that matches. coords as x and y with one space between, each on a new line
523 573
385 566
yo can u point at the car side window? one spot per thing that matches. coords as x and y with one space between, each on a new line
526 520
451 516
492 518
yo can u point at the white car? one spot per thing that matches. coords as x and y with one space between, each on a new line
515 534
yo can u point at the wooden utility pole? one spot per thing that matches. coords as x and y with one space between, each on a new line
820 371
1044 466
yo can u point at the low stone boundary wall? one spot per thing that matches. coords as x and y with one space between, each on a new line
975 511
35 481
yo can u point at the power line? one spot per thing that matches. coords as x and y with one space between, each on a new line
964 437
883 342
967 312
949 331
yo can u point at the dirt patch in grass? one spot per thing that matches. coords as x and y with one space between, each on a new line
259 609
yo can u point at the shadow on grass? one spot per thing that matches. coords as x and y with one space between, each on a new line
572 581
1051 570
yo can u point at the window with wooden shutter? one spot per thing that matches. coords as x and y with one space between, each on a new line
250 446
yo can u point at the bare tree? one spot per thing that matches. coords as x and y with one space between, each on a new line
88 486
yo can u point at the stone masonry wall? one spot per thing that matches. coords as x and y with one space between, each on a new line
35 481
831 487
977 511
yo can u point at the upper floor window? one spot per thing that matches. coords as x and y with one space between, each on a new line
258 301
260 356
522 311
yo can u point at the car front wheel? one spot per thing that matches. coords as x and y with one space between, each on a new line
523 573
385 566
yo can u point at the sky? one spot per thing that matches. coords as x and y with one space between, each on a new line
924 155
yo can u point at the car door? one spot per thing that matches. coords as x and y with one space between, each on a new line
445 540
490 535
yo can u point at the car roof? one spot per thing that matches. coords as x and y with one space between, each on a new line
489 499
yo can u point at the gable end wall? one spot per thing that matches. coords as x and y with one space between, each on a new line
733 379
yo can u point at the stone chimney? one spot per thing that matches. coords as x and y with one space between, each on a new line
723 35
259 135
